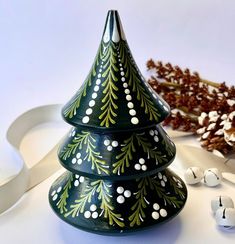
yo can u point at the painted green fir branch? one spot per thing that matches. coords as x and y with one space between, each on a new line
94 156
109 106
71 110
168 147
79 204
61 204
125 156
103 191
136 83
147 148
139 215
161 192
86 142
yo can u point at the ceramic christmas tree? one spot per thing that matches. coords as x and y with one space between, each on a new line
117 152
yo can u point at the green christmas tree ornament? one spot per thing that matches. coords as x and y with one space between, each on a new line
117 153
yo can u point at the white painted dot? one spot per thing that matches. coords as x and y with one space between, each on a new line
100 70
163 184
134 121
163 212
122 73
74 161
91 103
78 155
119 59
160 102
79 161
53 193
99 75
132 112
76 183
151 132
154 95
166 108
120 65
123 79
120 199
127 193
120 190
96 88
85 119
73 134
109 148
87 214
164 178
155 132
94 95
59 189
156 206
76 176
125 85
144 167
127 91
89 111
159 175
137 166
128 97
54 197
94 215
81 179
98 81
156 139
93 207
130 105
121 69
106 142
155 215
114 143
141 161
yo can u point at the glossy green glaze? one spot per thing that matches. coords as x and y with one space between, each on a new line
117 152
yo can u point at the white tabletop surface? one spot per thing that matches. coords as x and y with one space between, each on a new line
46 50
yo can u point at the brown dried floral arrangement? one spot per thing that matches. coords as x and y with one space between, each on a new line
199 106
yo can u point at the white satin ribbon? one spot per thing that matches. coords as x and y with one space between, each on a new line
13 188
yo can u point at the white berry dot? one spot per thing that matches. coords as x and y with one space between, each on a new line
160 102
94 215
127 193
128 97
156 206
94 95
59 189
127 91
156 139
137 166
78 155
120 199
155 132
85 119
87 214
132 112
122 73
109 148
134 121
163 212
79 161
123 79
166 109
120 190
92 103
74 160
163 184
121 69
120 65
141 161
164 178
125 85
100 69
144 167
54 197
76 176
155 215
106 142
93 207
53 193
151 132
130 105
159 175
99 75
89 111
114 143
81 179
96 88
76 183
98 81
